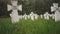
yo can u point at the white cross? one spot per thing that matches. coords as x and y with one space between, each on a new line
14 7
25 16
32 16
46 15
41 16
56 9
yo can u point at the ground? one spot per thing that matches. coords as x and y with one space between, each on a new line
39 26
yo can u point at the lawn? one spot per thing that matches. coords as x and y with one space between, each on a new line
39 26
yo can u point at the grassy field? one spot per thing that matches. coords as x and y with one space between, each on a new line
40 26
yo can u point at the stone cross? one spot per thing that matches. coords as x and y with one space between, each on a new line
46 16
25 16
56 9
36 16
14 7
32 16
41 16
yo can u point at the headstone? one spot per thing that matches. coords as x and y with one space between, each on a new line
36 16
14 15
25 16
41 16
52 16
32 16
28 16
46 16
57 16
56 9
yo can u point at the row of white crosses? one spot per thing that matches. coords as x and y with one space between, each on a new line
14 7
47 16
34 16
56 9
31 16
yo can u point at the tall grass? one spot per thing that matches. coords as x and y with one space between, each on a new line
40 26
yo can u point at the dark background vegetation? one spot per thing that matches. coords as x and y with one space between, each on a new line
36 6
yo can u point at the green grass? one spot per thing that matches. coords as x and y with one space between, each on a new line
40 26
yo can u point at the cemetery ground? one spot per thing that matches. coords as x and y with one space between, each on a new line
40 26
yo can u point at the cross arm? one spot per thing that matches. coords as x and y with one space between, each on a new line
19 7
9 7
53 9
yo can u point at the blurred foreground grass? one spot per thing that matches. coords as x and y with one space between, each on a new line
40 26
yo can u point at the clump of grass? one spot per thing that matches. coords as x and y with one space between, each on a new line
40 26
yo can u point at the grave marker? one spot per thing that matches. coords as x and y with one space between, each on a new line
32 16
56 9
14 7
46 16
25 16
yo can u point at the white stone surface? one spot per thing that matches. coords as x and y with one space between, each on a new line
57 16
46 16
36 16
14 17
32 16
25 16
41 16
